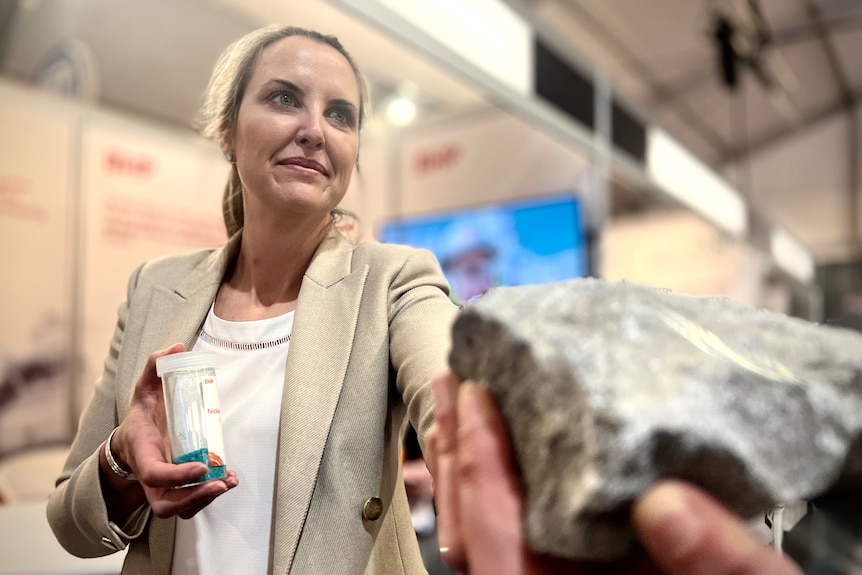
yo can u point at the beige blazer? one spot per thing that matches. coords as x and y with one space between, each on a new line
371 328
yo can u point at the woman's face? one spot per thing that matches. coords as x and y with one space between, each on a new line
297 132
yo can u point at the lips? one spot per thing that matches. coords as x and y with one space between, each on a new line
304 163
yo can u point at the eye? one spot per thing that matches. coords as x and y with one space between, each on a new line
342 116
285 99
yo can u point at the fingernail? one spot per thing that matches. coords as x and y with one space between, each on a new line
671 523
442 394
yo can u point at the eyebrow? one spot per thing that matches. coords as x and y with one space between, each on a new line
289 85
301 93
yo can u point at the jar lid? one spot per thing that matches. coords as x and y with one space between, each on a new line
185 360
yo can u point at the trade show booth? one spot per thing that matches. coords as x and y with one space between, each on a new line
508 174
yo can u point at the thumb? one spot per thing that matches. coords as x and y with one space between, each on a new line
688 533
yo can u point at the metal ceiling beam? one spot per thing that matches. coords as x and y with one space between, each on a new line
658 90
846 94
847 99
822 33
679 87
755 146
837 7
804 32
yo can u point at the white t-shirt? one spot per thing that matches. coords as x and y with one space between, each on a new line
233 534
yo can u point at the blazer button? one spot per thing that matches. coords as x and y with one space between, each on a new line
372 509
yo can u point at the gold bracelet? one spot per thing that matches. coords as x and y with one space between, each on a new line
115 467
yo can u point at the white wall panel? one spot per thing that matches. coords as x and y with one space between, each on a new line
679 251
492 157
36 155
145 193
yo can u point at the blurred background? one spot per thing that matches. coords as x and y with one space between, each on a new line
711 147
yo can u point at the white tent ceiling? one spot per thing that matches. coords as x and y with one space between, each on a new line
787 135
789 139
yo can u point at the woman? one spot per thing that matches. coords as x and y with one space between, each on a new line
323 347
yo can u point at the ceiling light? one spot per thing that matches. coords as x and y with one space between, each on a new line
685 177
401 111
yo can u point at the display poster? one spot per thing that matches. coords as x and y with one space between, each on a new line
145 193
479 160
36 366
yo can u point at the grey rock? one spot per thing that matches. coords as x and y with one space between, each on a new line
608 387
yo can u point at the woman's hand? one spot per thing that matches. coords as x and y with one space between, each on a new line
479 500
139 446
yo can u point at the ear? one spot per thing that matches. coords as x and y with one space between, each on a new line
227 144
227 152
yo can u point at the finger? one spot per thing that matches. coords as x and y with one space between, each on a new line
189 513
429 455
159 474
442 447
490 495
154 471
445 390
170 476
230 482
170 502
688 533
431 437
188 501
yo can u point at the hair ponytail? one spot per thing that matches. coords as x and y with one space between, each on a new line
232 207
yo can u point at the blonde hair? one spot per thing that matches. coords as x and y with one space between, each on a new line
218 113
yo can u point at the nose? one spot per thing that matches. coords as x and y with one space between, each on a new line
310 132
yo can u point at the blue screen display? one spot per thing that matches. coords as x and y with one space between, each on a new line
520 243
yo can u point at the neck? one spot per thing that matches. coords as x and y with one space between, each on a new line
268 272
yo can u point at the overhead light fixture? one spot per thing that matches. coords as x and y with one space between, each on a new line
401 111
685 177
489 34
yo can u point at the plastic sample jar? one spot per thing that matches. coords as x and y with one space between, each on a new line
193 411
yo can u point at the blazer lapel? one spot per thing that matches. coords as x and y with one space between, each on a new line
176 316
320 347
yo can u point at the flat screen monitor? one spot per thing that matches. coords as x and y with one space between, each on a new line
510 244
